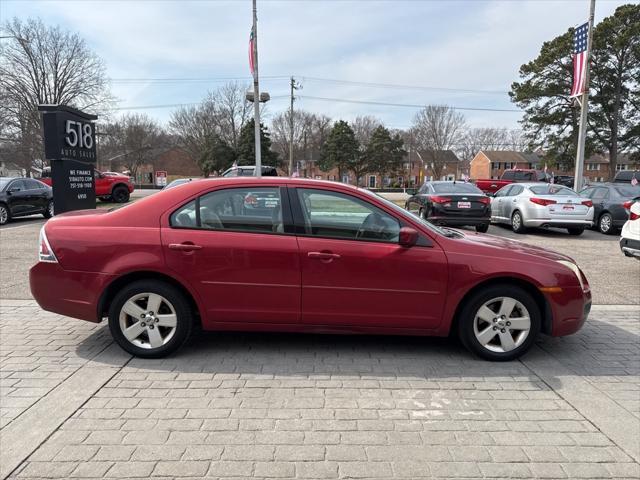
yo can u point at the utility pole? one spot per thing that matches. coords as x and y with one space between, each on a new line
584 105
294 86
256 92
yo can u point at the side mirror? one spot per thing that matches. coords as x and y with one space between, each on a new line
408 237
411 191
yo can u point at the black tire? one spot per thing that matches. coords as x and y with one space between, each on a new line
605 224
48 213
5 214
518 225
575 231
183 313
482 228
106 199
120 194
470 309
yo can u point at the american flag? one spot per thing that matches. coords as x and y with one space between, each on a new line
251 53
579 59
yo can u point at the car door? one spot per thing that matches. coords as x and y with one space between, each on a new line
17 197
37 195
231 245
355 275
497 204
511 200
599 199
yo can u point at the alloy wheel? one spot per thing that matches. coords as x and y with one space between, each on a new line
502 324
605 223
148 320
50 208
516 221
4 215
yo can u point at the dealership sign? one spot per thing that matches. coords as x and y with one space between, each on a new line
161 178
70 147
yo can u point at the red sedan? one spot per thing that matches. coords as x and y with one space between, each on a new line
282 254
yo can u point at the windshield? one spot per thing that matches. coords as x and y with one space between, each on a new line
551 189
628 190
4 182
456 188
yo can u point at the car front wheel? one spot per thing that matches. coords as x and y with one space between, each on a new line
499 323
150 319
48 213
120 195
605 224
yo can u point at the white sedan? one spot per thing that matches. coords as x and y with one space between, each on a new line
630 237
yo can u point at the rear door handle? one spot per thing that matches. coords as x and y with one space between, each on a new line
323 255
184 247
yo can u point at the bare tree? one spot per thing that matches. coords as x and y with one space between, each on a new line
195 128
137 138
45 65
436 129
364 126
232 111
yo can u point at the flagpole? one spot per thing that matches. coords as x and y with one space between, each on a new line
256 93
584 105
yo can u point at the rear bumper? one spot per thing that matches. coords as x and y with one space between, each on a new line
557 223
569 309
70 293
459 221
630 247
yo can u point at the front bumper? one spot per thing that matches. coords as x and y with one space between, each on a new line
70 293
630 247
569 310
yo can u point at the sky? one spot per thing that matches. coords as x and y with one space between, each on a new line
464 54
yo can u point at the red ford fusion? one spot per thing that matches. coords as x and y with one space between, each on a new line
286 254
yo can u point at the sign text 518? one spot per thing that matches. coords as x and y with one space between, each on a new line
79 134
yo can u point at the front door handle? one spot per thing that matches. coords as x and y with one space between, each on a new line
184 247
326 256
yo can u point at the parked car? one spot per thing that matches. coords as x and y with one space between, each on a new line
626 176
454 204
566 180
630 237
110 187
248 171
540 205
24 196
328 258
608 201
514 175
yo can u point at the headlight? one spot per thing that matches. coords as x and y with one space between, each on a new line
574 268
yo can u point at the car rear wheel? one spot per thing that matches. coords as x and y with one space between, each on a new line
605 224
48 213
499 323
482 228
150 319
120 194
5 215
517 224
575 231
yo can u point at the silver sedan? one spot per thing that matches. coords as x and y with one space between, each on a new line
544 205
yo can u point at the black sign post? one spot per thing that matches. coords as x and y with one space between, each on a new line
70 147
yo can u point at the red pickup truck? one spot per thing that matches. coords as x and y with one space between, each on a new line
515 175
113 187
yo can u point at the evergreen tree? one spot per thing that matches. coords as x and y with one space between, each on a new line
384 153
246 154
216 157
340 150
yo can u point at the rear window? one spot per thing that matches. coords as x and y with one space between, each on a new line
550 189
628 190
456 188
524 176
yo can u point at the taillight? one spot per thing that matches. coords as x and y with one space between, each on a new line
439 199
633 216
485 200
542 201
45 252
587 203
627 205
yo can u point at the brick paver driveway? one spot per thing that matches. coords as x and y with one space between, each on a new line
301 406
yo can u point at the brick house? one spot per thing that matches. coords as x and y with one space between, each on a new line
414 170
175 161
492 163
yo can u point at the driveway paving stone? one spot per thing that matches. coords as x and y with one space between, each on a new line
314 406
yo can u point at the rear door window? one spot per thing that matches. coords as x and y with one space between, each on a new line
508 175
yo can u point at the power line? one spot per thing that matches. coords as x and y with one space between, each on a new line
177 105
403 87
169 80
406 105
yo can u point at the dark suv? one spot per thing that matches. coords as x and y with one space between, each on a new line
248 171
